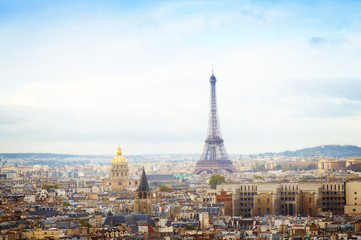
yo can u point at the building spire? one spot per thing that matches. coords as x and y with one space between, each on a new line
119 150
143 185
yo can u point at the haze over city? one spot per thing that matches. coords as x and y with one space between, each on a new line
79 77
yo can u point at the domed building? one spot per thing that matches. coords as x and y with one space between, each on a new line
119 173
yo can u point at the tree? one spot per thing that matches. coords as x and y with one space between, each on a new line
258 177
49 186
278 167
216 180
190 227
355 167
85 223
165 188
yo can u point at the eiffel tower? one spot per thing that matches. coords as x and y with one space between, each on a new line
214 158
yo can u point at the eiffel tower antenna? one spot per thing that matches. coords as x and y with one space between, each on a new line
214 158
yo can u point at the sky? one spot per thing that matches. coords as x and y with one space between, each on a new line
82 76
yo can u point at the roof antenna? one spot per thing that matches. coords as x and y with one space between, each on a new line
212 69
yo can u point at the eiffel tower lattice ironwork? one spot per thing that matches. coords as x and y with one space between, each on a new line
214 158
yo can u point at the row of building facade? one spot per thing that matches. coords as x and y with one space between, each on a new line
294 199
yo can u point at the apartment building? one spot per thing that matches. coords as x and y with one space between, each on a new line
294 199
353 197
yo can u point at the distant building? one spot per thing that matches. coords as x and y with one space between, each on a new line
353 161
291 164
227 200
119 173
29 198
353 197
119 220
143 197
331 163
157 180
301 198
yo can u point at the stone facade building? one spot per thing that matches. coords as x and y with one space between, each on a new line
353 197
299 198
119 173
143 197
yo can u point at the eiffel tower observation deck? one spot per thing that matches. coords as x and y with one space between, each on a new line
214 159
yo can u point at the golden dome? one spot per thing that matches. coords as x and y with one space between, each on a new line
119 158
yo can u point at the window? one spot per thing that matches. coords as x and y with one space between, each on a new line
267 200
268 211
259 200
310 200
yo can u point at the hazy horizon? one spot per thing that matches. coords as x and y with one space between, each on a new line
142 154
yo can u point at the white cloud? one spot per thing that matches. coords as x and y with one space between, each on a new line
81 84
